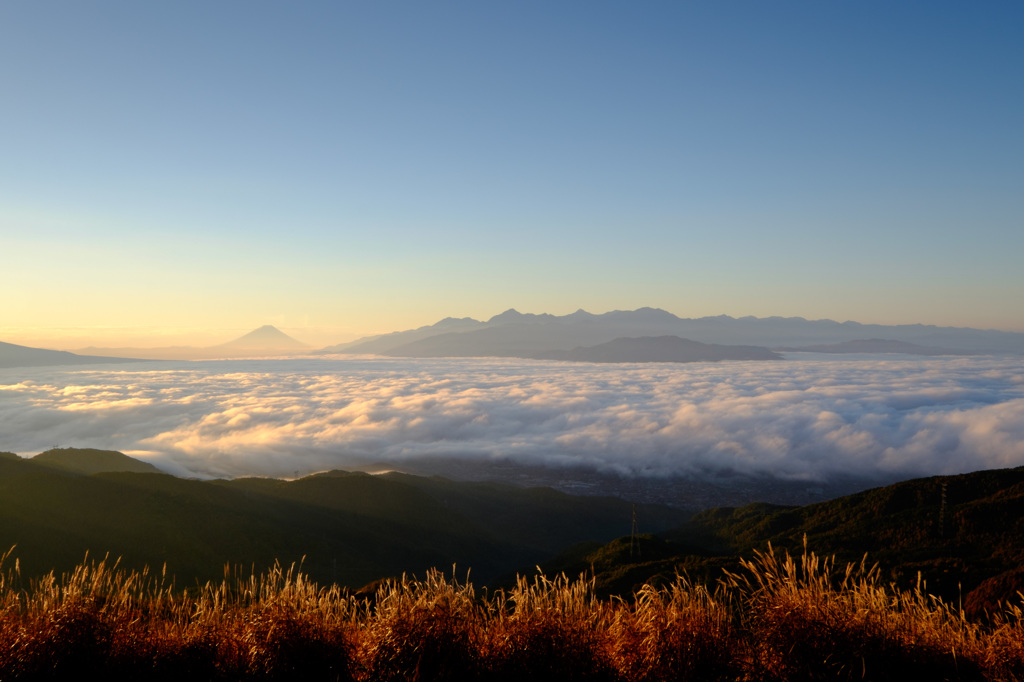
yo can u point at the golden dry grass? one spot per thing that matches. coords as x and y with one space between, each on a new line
778 618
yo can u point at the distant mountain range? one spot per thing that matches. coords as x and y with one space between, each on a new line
515 334
642 335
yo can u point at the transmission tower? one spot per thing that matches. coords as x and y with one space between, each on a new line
634 539
942 512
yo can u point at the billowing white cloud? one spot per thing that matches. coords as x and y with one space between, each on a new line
807 417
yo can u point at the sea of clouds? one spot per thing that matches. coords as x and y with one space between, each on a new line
807 417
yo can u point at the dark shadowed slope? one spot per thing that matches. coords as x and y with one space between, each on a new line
964 534
350 527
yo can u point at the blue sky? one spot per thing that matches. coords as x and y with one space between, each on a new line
178 172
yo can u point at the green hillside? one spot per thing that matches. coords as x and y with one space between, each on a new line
89 461
971 546
352 528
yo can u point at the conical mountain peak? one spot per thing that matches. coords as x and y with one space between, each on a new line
267 336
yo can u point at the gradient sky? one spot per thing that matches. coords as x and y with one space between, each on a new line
184 172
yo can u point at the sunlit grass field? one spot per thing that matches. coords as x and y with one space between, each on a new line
777 618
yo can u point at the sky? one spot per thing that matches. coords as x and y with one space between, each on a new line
182 173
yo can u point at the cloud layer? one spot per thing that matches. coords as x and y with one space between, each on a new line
807 417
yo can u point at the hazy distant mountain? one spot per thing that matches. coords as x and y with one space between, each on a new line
12 355
660 349
380 344
160 353
267 340
877 346
266 337
514 334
